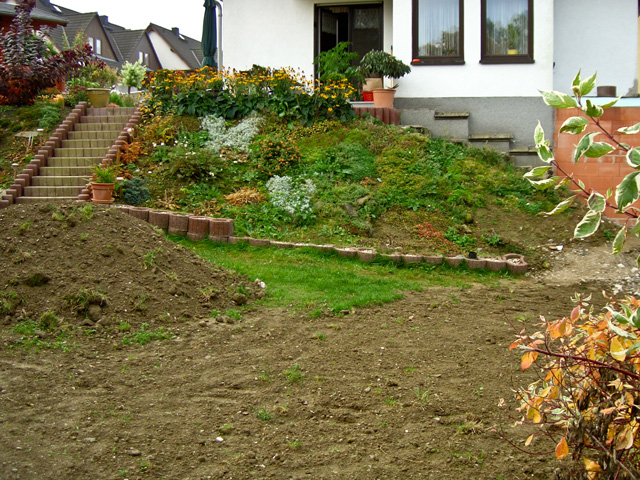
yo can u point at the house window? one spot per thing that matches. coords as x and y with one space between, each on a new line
141 57
146 59
507 27
98 47
438 32
90 42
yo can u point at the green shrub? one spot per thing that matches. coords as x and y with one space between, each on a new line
116 98
49 116
134 191
346 161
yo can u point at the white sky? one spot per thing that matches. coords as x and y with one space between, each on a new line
187 15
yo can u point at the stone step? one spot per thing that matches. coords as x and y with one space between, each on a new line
451 115
73 161
60 181
87 143
61 191
453 126
498 141
111 135
98 127
66 171
112 119
80 152
110 111
23 200
525 157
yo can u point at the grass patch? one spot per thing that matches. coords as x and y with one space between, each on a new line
39 335
308 279
145 335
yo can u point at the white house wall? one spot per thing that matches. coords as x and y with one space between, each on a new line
596 35
474 79
168 59
277 34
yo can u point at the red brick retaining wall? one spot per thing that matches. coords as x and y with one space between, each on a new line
602 173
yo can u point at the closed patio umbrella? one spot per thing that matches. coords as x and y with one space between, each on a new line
209 35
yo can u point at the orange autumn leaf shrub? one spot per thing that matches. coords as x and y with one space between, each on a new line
587 397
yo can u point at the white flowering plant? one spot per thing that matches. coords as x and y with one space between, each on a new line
293 197
238 137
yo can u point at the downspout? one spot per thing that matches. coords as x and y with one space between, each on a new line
219 8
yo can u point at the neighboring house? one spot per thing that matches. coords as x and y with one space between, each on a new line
175 51
89 26
41 15
476 65
133 45
154 47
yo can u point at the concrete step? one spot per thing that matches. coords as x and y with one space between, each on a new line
60 181
80 152
61 191
66 171
73 161
498 141
525 157
110 111
87 143
23 200
453 126
112 119
111 135
98 127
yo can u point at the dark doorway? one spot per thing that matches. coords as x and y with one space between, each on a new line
361 25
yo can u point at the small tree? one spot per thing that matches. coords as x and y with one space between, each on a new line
588 396
132 75
27 66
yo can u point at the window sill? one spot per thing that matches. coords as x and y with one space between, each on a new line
417 62
507 59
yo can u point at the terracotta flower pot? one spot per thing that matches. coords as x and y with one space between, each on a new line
102 192
383 97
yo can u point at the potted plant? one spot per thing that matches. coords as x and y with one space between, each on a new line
102 183
381 64
99 79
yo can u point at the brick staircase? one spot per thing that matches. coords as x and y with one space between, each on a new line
62 168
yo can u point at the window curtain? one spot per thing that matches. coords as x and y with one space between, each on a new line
507 27
438 28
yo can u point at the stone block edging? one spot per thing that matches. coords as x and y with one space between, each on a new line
198 227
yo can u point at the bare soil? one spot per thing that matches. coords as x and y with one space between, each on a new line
406 390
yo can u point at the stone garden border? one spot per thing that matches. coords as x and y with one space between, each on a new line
197 227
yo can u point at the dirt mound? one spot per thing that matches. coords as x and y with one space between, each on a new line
79 264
